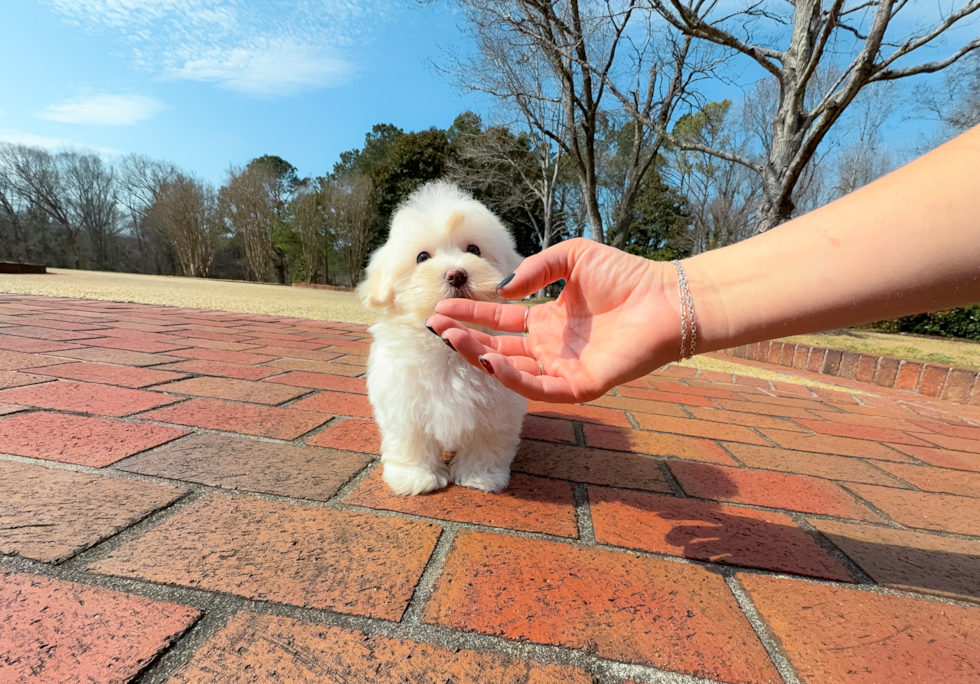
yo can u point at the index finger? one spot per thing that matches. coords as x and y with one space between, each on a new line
502 317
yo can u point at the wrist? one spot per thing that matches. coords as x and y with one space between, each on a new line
706 307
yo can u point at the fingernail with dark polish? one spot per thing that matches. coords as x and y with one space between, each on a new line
505 281
486 365
432 330
449 344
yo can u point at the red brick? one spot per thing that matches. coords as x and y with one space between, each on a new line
804 463
831 362
909 560
242 358
710 532
337 403
787 355
350 435
701 389
841 635
908 375
105 374
48 334
11 361
104 400
548 430
7 409
323 381
316 367
699 428
130 344
248 419
829 444
887 372
641 405
762 351
815 360
308 354
119 357
775 352
51 514
32 346
247 464
943 458
932 479
955 443
586 414
529 504
940 512
10 379
800 357
791 402
262 649
887 422
614 605
792 389
866 367
637 441
224 370
214 345
763 409
594 466
234 390
93 442
56 631
268 551
741 418
933 380
768 489
664 396
865 432
962 431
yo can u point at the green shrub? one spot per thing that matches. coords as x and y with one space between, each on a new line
963 323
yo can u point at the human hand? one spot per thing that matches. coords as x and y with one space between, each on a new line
616 319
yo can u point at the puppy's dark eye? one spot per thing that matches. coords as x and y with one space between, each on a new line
421 257
473 249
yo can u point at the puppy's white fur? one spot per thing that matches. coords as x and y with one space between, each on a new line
426 398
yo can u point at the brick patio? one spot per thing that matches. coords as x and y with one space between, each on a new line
194 496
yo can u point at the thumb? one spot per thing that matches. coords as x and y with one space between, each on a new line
553 264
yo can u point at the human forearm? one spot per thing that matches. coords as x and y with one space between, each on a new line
907 243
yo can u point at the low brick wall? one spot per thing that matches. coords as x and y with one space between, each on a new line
14 267
315 286
959 385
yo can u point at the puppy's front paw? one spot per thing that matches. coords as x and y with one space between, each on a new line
485 480
406 480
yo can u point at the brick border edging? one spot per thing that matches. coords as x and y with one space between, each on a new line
952 383
316 286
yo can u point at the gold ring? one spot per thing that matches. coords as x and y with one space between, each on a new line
527 310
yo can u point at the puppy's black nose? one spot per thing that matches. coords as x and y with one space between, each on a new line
456 277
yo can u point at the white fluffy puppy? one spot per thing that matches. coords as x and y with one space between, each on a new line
443 244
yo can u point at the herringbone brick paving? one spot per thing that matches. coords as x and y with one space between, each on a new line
194 496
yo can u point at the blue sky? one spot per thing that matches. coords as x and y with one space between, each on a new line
209 83
206 84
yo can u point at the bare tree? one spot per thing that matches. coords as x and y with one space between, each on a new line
90 193
248 204
814 34
33 174
350 212
185 211
309 223
141 179
955 102
527 170
540 56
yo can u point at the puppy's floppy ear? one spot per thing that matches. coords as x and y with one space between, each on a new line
377 291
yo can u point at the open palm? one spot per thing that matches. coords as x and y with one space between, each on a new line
614 321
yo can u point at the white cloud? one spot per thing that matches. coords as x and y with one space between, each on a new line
49 143
262 49
104 110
